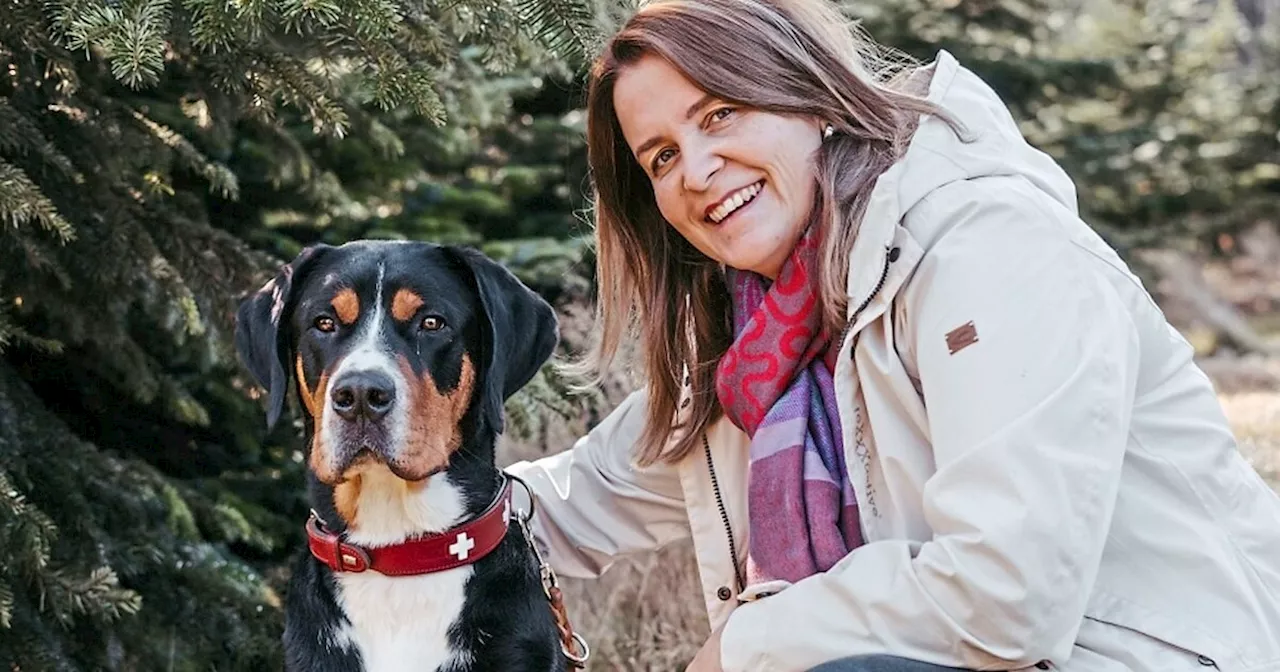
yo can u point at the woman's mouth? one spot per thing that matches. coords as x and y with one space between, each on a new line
734 203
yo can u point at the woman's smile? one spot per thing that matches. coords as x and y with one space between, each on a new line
735 202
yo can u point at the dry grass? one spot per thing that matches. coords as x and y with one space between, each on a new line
1255 417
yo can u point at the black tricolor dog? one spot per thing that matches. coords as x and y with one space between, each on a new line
402 355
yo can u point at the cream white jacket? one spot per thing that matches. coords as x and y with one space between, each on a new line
1064 491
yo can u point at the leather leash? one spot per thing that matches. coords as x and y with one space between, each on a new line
572 644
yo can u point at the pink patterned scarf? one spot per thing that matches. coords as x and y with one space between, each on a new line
775 384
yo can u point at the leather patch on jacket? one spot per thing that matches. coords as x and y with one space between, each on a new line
962 337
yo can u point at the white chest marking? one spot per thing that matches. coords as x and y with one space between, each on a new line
401 624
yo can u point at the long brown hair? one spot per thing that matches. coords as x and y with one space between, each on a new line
783 56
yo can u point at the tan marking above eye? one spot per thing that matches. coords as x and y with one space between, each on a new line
405 304
346 304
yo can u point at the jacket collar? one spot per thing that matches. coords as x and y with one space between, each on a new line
881 231
456 547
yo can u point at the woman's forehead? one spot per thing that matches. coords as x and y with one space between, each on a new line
652 97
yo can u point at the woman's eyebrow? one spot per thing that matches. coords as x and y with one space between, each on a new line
702 102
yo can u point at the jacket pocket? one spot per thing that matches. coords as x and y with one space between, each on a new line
1147 641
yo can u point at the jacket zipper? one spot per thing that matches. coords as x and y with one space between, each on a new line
724 517
706 445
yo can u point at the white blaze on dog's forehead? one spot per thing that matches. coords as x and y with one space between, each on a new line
371 353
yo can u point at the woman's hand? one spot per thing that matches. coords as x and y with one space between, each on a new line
708 657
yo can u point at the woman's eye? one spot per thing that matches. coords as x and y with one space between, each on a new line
662 157
721 113
432 323
325 324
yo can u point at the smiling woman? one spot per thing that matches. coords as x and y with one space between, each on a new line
913 412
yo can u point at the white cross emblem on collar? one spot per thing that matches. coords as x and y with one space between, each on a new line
461 547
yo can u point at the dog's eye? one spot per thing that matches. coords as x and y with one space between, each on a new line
325 324
433 323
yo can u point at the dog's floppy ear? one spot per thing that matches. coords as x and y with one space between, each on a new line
258 329
521 335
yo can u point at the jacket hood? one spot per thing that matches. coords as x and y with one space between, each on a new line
990 143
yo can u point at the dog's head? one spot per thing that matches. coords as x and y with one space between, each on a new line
393 347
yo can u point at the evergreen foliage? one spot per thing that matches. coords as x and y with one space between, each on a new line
1168 134
144 511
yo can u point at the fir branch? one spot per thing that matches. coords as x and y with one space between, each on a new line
131 35
221 180
371 20
21 136
97 594
216 25
11 332
232 525
565 27
279 76
6 603
24 527
140 44
21 201
414 87
303 15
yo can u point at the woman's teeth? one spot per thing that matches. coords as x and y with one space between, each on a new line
740 198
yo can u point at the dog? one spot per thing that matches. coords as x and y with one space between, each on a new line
402 354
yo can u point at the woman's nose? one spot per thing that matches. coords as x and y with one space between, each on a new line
700 166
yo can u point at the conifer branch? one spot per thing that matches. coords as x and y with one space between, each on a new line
566 27
21 202
19 136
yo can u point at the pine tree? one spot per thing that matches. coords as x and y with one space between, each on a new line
143 509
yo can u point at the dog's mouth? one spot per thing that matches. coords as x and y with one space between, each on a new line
367 457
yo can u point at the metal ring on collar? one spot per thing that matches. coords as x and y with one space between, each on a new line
581 643
532 502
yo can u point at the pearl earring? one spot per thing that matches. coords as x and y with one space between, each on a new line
828 131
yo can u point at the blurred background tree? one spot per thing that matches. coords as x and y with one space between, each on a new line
157 160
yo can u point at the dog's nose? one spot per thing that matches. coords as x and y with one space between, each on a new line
366 394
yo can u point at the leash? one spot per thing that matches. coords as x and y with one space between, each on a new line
572 644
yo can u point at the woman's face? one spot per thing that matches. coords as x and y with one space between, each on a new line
737 183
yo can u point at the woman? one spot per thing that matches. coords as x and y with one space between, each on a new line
913 413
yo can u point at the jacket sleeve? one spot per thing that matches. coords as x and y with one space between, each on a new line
593 506
1028 427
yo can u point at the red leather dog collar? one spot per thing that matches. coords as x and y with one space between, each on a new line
455 547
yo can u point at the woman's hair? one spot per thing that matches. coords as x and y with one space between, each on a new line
797 57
